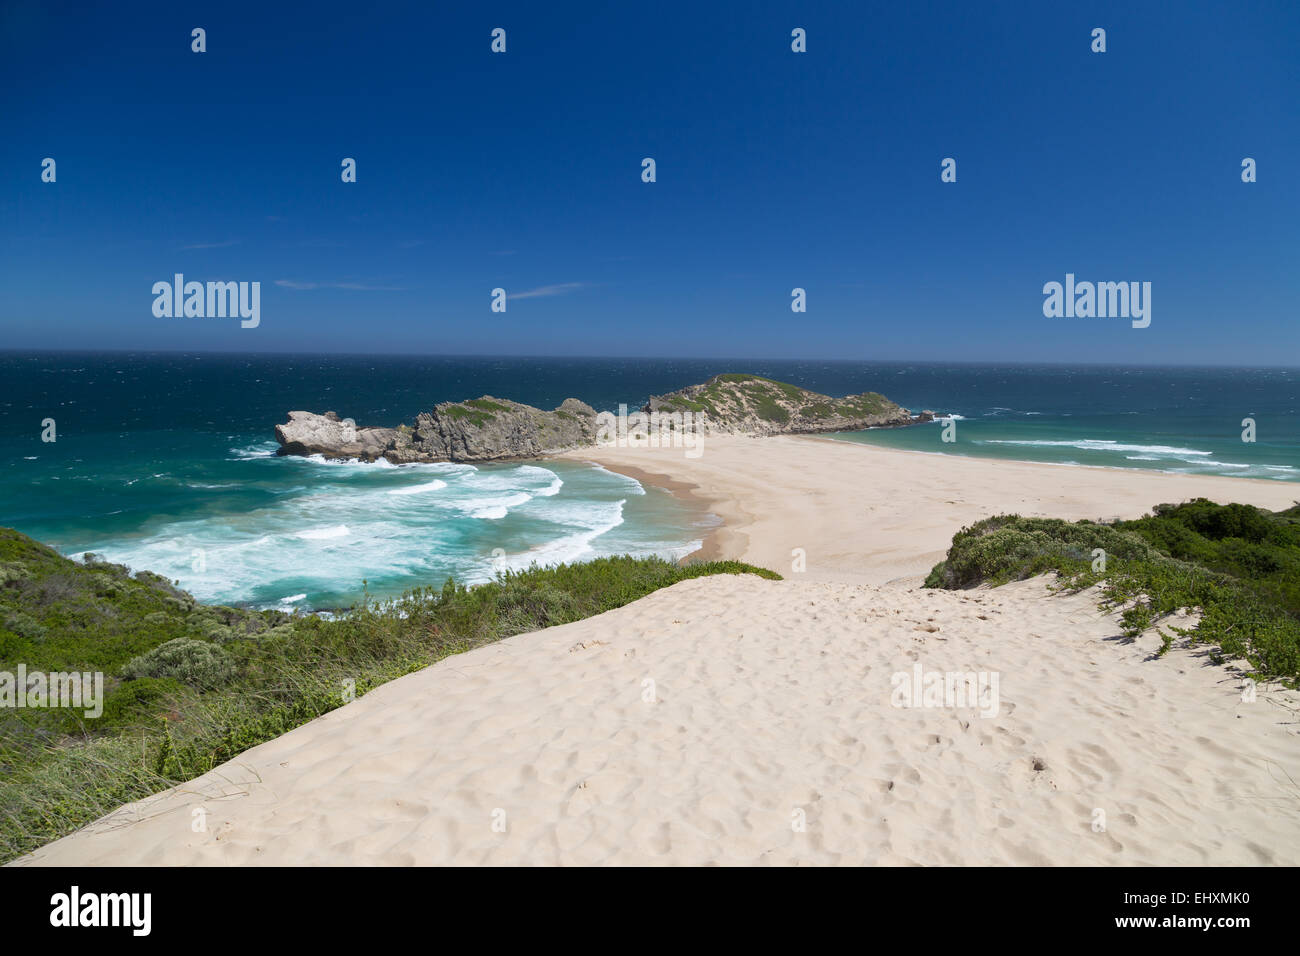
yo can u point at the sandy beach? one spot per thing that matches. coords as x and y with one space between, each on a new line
865 514
734 720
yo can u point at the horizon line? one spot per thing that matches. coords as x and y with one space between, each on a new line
639 358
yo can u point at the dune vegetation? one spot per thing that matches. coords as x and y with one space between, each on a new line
1238 566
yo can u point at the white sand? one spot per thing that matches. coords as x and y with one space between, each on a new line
772 704
871 514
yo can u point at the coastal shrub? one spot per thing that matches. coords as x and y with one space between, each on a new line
218 633
163 584
477 419
1238 566
1011 548
871 403
197 663
92 560
139 703
769 410
484 405
56 589
24 625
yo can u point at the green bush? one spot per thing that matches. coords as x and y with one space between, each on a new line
1238 565
23 624
139 703
196 663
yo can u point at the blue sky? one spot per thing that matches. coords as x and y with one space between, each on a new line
775 170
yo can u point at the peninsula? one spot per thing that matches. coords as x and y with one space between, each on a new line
497 429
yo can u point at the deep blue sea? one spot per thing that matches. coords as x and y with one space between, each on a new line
166 461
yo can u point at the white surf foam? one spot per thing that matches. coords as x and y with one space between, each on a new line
495 508
436 485
253 451
604 517
324 534
1098 444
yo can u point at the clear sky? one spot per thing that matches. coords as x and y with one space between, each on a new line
775 170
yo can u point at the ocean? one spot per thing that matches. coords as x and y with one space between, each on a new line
166 461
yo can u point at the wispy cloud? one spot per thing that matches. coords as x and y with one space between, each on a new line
354 286
562 288
212 245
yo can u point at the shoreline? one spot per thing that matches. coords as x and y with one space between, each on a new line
776 494
711 547
1056 464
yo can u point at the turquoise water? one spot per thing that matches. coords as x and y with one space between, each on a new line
166 462
1181 420
255 528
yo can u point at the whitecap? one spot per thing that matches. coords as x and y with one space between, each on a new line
552 489
1101 444
253 451
633 486
572 547
351 463
494 508
435 485
323 534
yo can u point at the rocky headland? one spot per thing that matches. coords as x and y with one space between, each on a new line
496 429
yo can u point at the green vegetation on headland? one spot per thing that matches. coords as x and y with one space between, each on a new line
755 405
1237 565
189 686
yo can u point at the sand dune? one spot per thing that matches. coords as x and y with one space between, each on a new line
769 698
733 720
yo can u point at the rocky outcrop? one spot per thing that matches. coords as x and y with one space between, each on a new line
494 429
309 434
752 405
487 428
480 429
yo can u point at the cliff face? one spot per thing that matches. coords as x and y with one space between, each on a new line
492 429
480 429
751 405
483 429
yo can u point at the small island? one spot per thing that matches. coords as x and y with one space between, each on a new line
497 429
